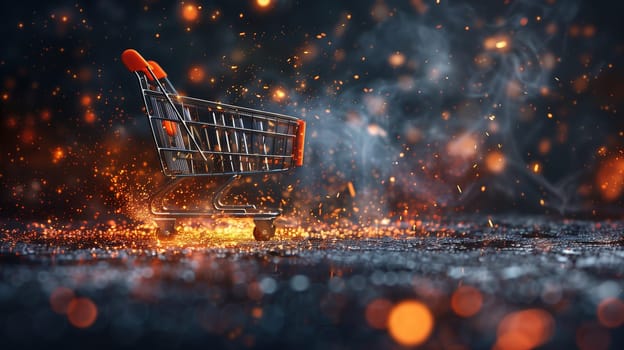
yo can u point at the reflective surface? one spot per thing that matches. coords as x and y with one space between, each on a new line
518 283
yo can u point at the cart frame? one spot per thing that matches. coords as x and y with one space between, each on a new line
198 138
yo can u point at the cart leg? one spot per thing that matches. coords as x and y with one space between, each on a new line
166 227
264 229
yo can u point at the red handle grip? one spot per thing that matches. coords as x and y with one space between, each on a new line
157 69
133 60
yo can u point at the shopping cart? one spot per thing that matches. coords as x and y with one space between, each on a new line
197 138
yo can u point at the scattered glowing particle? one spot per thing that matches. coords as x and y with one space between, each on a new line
351 189
542 202
602 151
459 189
495 162
497 43
81 312
377 312
549 115
490 223
466 301
196 74
397 59
610 178
464 146
90 117
279 94
356 77
392 179
58 154
263 3
536 168
483 188
410 323
85 100
190 12
524 21
610 312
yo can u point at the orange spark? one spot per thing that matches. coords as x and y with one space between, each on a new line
57 155
495 162
279 94
610 179
196 74
263 3
85 100
499 43
397 59
89 117
190 13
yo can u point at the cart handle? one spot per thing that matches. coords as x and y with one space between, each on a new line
133 60
299 143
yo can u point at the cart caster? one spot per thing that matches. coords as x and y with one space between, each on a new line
264 230
166 228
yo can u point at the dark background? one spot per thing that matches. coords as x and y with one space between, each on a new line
418 133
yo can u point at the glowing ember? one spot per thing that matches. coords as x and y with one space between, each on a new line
263 3
58 154
196 74
610 178
495 162
190 12
410 323
279 94
497 43
397 59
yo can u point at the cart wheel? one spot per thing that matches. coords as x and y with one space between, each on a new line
264 230
166 228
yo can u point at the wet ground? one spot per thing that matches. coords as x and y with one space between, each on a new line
511 283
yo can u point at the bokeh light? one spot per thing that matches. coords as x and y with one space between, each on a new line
495 162
410 323
81 312
610 312
190 12
377 312
466 301
524 330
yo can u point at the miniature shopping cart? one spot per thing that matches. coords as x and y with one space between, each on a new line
198 138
